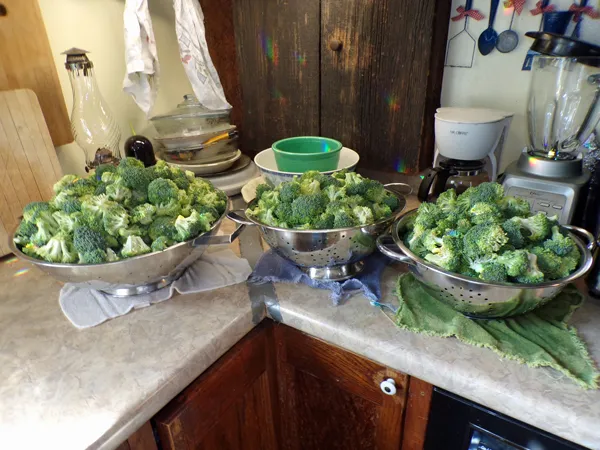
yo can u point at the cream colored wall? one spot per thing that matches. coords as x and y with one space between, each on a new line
97 26
496 80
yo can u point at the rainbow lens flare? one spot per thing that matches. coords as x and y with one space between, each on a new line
270 48
20 272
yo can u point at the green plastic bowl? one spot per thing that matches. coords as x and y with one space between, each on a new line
303 153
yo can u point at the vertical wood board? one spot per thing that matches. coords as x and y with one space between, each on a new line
28 163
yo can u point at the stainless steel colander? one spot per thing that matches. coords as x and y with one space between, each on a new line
138 275
332 255
480 299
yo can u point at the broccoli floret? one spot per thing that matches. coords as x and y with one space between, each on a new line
111 256
306 207
190 227
324 222
447 255
533 274
24 232
363 215
515 207
118 192
134 246
484 239
162 226
34 209
391 201
104 168
159 170
143 214
94 257
96 205
558 242
554 266
310 187
179 178
161 243
162 191
218 200
414 239
535 228
333 193
446 201
493 272
172 208
67 222
431 240
342 219
514 233
46 228
283 212
59 249
381 211
30 250
83 186
485 213
375 192
114 219
87 240
261 189
515 262
289 191
64 182
111 177
484 193
428 214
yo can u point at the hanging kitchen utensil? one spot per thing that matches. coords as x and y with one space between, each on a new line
541 7
461 46
578 12
487 40
508 39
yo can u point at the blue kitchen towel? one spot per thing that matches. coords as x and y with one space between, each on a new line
273 268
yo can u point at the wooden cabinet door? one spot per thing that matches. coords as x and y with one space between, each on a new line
331 399
382 64
230 406
367 73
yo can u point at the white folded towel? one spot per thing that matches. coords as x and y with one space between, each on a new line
193 49
86 307
141 79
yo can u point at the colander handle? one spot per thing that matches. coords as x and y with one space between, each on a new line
219 239
584 234
238 218
396 188
401 257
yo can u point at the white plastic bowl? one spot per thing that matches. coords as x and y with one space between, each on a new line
265 161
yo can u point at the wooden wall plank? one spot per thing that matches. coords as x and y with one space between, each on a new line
377 90
277 44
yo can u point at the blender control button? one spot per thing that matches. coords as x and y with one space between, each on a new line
557 207
544 204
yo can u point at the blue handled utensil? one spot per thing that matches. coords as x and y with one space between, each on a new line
577 29
487 40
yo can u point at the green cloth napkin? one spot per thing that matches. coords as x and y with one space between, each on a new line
539 338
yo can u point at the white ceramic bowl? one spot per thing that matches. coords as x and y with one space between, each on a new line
265 161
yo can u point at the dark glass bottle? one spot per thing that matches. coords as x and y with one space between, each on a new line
140 147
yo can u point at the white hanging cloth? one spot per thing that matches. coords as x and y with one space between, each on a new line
193 49
141 79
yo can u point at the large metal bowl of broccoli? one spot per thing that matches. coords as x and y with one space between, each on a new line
123 230
325 224
487 254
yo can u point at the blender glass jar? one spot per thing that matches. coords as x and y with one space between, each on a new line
563 107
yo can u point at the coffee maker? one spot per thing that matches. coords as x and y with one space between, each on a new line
469 142
563 110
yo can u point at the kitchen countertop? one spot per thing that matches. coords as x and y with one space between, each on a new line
93 388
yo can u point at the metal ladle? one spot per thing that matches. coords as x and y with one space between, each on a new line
508 39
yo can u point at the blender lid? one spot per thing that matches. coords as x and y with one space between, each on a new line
469 115
552 44
191 107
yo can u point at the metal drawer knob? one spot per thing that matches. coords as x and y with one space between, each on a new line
388 386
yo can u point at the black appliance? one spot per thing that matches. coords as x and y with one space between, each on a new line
459 424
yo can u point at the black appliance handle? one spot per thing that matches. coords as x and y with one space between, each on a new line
429 177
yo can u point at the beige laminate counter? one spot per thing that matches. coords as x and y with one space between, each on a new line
75 389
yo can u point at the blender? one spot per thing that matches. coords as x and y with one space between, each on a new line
562 112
